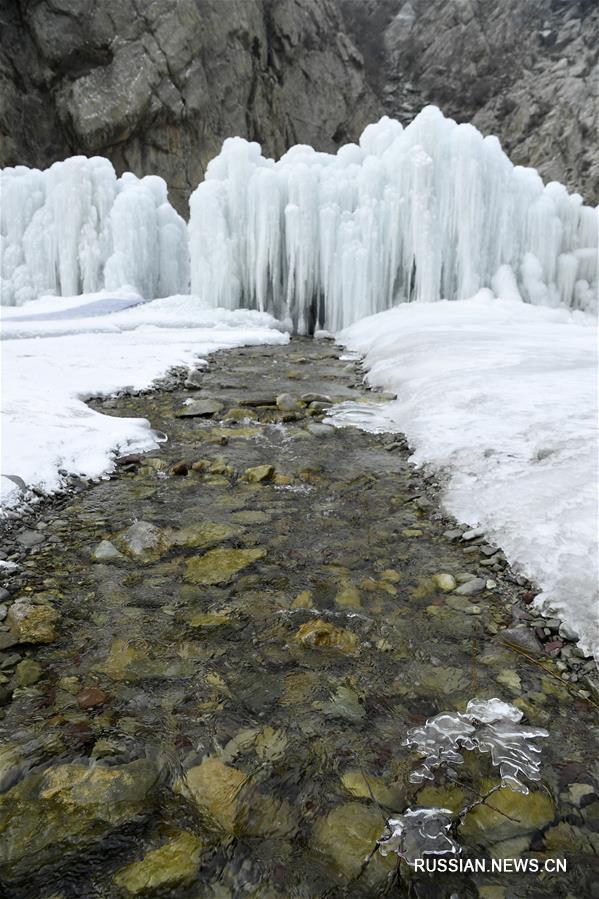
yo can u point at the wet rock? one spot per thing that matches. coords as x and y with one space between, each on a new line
321 634
445 582
91 697
571 840
345 703
461 604
11 765
287 403
348 598
218 566
367 786
215 788
143 542
471 588
180 469
259 473
506 815
31 623
175 864
7 641
27 673
303 600
106 551
200 409
346 836
210 620
237 414
523 637
28 539
320 430
68 808
204 533
448 796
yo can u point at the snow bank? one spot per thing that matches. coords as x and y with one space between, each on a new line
433 211
501 397
75 228
46 426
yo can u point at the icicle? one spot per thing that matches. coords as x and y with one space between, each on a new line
424 213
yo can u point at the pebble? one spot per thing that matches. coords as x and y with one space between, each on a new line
30 538
90 697
471 588
287 403
320 430
472 534
106 551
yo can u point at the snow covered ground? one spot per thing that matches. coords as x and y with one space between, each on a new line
501 397
56 351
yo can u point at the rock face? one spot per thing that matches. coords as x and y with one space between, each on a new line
528 72
156 87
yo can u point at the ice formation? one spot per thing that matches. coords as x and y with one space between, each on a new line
427 212
75 228
418 832
488 726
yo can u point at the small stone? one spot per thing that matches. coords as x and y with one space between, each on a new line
215 788
175 864
568 632
4 594
320 430
367 786
210 620
200 409
180 469
259 473
471 588
143 541
106 551
461 604
30 538
27 673
320 634
452 534
412 532
90 697
445 582
522 637
490 584
348 598
510 679
31 623
303 600
220 565
287 403
472 534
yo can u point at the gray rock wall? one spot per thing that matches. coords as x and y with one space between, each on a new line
526 70
156 85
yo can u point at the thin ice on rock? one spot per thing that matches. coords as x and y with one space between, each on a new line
487 725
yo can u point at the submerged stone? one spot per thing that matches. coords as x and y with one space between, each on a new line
32 623
347 835
143 541
259 473
27 673
445 582
324 635
368 786
68 808
218 566
507 814
215 787
202 534
175 864
106 551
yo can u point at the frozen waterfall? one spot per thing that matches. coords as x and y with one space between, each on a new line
427 212
75 228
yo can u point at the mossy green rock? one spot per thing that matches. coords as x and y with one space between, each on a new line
69 807
505 815
215 788
27 672
259 473
346 836
220 565
173 865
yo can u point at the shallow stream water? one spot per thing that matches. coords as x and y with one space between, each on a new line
213 703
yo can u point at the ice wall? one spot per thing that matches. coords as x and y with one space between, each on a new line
75 228
427 212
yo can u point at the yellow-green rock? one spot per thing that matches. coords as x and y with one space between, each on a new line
445 582
32 623
506 815
303 600
203 534
451 797
324 635
173 865
27 672
215 789
348 598
259 473
218 566
347 835
366 786
210 620
70 807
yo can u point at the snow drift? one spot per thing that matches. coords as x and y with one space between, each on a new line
500 397
427 212
75 228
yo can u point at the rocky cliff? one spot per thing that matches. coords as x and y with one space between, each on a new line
526 70
156 85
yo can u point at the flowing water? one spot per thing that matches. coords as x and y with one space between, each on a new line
212 703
